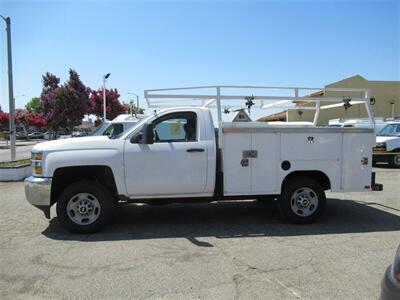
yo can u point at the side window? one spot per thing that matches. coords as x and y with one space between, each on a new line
114 130
176 127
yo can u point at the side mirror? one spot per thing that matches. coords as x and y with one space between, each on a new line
137 138
145 136
148 134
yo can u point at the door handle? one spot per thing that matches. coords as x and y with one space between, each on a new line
195 150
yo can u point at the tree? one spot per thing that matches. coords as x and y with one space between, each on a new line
21 118
65 105
74 96
4 121
24 118
34 105
135 109
34 119
50 110
113 106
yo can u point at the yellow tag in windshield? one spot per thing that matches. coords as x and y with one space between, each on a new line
175 128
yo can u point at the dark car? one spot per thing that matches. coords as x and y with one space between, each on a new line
390 287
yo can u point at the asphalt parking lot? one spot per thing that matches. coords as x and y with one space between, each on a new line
208 251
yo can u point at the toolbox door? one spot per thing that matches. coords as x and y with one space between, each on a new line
237 169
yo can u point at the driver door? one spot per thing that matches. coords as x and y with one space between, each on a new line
174 164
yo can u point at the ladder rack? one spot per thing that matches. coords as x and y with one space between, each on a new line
213 96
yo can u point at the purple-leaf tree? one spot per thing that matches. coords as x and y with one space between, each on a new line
64 105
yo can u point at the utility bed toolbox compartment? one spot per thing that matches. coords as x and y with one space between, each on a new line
257 156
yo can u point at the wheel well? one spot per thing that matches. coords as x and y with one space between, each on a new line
318 176
65 176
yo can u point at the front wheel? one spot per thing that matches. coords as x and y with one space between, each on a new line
394 161
302 201
85 207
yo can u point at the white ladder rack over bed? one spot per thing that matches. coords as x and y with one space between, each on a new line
212 96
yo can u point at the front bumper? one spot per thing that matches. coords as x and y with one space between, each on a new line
381 156
38 193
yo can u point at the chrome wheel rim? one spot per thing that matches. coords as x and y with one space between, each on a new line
83 209
396 160
304 202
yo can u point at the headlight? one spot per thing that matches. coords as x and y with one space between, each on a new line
381 146
36 155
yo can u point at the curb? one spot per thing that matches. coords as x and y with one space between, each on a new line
15 173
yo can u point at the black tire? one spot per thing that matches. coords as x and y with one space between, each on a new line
98 192
314 195
394 160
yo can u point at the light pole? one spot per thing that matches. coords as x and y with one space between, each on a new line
104 96
131 107
137 101
10 88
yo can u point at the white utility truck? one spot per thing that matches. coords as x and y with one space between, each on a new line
387 148
177 155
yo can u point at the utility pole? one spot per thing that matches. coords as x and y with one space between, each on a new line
10 89
104 96
137 102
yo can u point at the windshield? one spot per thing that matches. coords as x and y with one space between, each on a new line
100 129
390 130
127 132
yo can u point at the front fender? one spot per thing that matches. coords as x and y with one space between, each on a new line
111 158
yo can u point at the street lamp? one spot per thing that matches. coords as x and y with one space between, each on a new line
137 102
104 95
10 88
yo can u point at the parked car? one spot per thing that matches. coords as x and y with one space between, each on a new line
387 148
36 135
21 135
47 135
79 133
117 126
177 155
390 287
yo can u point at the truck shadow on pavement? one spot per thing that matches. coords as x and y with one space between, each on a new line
232 220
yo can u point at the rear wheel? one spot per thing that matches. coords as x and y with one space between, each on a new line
85 207
302 201
394 161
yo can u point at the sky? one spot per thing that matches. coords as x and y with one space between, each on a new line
157 44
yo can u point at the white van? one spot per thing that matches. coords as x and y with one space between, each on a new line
365 123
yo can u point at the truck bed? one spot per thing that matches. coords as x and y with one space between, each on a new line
344 155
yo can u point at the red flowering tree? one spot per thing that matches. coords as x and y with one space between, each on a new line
21 118
35 119
113 106
64 105
4 121
24 118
